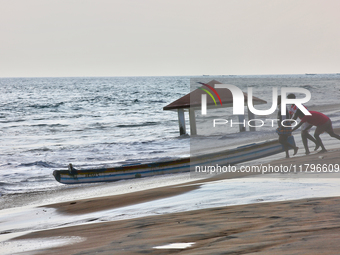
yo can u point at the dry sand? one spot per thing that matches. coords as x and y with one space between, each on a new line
307 226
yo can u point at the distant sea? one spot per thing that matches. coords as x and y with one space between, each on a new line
46 123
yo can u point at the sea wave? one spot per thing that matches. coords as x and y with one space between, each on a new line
42 106
39 149
157 101
39 163
148 123
10 121
4 184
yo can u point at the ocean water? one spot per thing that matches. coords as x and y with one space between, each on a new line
47 123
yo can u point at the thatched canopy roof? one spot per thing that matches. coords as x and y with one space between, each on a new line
193 99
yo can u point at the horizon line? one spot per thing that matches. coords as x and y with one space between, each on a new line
123 76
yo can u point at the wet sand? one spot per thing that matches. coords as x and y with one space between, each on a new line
308 226
116 201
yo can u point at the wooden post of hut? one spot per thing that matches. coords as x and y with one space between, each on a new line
181 122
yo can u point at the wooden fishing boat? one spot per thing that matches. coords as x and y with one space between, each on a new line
222 158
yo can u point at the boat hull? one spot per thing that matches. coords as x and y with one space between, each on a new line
223 158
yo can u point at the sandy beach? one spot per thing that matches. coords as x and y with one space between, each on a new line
308 226
299 226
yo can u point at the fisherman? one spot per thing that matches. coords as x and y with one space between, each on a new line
323 124
284 131
305 135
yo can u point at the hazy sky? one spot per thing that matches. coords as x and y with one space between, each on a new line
168 37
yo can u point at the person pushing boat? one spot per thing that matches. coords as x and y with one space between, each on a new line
305 135
322 122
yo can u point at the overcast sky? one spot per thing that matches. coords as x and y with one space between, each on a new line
168 37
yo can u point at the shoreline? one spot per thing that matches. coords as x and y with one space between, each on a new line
115 201
98 236
31 198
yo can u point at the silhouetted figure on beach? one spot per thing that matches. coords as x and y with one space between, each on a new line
322 122
284 131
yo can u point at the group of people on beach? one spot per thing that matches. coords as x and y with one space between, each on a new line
322 122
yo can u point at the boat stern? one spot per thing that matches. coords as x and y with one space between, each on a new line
56 175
